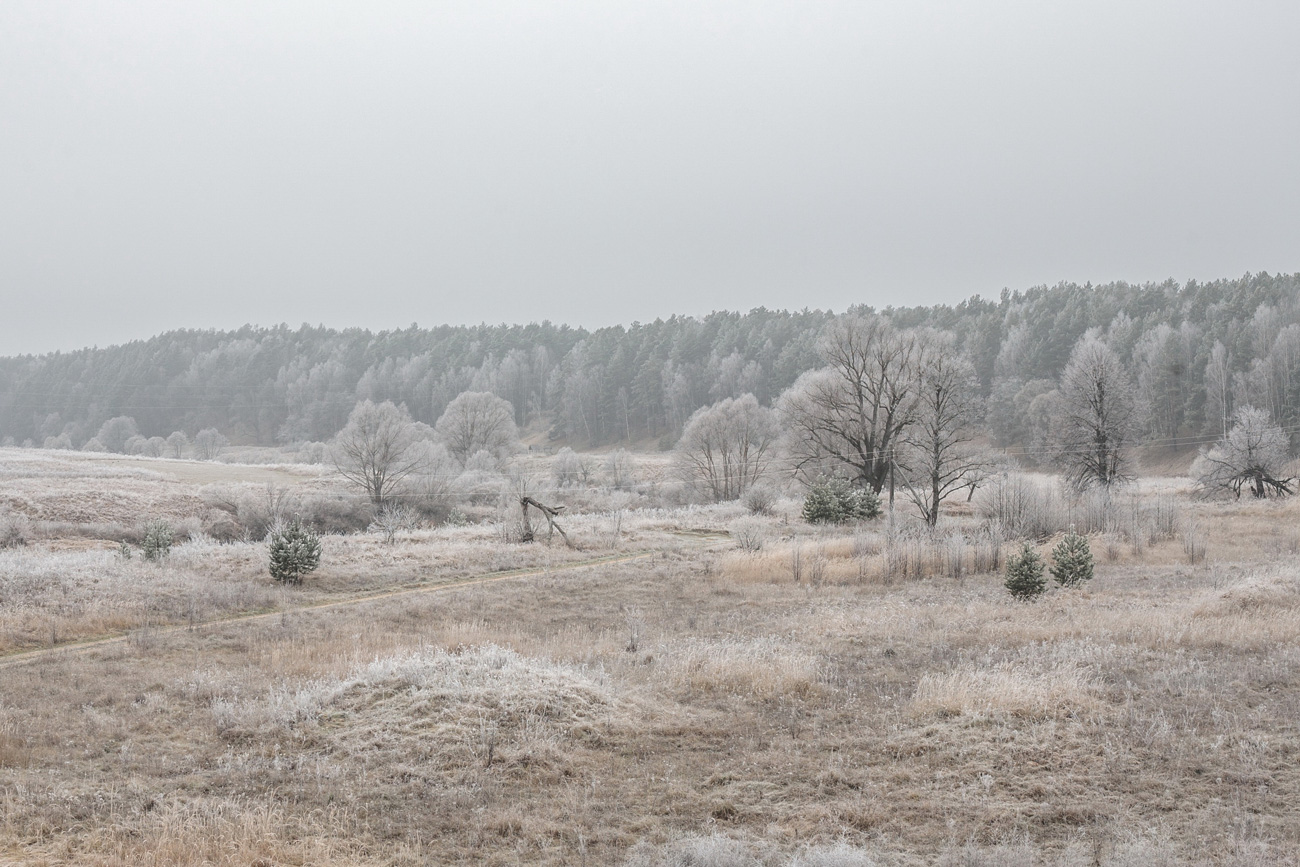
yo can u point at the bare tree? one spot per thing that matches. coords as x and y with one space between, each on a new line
430 485
1252 456
391 519
377 449
1096 417
114 433
478 421
1218 389
176 444
568 468
727 447
208 443
620 468
938 458
850 415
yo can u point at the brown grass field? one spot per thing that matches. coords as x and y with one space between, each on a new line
850 696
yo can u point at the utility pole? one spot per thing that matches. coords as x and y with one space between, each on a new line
891 481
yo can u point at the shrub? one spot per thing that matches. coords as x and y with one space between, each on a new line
392 519
1025 574
295 552
335 513
834 501
1021 508
15 530
157 542
1072 560
759 500
748 534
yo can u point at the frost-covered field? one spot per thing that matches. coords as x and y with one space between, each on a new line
785 695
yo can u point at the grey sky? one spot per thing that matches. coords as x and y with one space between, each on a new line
206 164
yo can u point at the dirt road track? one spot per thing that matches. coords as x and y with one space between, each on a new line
78 647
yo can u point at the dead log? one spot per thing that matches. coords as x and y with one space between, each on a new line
550 513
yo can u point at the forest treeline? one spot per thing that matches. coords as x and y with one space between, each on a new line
1194 351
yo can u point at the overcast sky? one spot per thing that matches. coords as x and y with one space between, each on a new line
207 164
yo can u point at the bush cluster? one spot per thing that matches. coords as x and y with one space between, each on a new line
1071 566
834 501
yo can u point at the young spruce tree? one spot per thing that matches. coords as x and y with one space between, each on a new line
1025 574
295 551
157 542
834 501
1072 560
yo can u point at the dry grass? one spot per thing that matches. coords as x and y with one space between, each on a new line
1007 689
699 707
757 667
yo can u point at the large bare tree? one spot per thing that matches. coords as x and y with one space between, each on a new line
377 449
1096 417
939 458
478 421
1252 455
848 417
727 447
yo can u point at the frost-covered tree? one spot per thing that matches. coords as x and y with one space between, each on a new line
157 541
208 444
478 421
849 416
1072 560
177 442
1024 579
568 468
114 433
1096 420
294 552
938 458
377 449
620 469
727 447
1253 455
429 486
834 501
1218 390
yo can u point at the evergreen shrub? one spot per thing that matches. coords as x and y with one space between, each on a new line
157 542
295 552
1072 560
834 501
1025 574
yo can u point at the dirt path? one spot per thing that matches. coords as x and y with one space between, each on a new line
75 647
699 537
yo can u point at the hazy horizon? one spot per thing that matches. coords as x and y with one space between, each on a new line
212 165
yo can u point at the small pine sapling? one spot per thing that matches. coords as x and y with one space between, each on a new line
1025 574
1072 560
157 542
295 551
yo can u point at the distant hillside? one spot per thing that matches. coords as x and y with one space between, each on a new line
266 385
